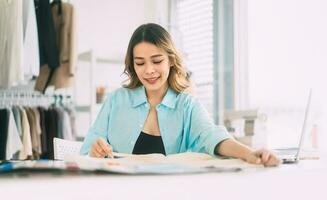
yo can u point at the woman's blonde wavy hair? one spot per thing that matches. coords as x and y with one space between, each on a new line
157 35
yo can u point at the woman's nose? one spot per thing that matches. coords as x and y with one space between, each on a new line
149 69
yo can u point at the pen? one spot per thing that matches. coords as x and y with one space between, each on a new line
115 155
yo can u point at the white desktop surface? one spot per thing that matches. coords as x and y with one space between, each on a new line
305 180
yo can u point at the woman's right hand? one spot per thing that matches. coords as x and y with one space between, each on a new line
101 149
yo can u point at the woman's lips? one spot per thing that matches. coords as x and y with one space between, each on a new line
152 80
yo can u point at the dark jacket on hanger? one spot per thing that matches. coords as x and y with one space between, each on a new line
63 16
4 121
51 129
49 53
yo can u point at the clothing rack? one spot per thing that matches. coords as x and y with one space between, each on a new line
30 120
32 98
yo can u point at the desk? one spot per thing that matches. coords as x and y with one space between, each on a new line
306 180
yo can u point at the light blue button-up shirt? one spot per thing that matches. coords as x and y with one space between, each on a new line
183 122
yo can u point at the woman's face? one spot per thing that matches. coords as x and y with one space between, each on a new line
151 66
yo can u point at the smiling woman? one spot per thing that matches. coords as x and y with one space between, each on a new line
151 43
152 67
153 114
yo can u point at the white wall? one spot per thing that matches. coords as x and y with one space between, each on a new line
287 48
107 25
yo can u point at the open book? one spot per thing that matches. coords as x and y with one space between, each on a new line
133 164
188 162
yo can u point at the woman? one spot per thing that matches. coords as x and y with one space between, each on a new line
152 114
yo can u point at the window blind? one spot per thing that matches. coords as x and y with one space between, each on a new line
194 20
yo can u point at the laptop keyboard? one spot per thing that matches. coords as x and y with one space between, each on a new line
288 151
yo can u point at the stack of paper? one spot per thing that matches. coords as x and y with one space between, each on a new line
159 164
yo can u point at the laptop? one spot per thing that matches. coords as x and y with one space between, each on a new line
292 155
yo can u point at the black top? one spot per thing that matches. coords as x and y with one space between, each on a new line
48 49
146 144
4 123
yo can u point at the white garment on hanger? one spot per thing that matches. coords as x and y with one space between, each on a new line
27 142
14 143
66 126
31 54
11 43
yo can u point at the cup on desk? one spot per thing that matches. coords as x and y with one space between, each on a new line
100 93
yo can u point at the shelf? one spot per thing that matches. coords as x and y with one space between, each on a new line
87 56
83 108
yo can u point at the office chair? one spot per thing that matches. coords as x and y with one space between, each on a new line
62 147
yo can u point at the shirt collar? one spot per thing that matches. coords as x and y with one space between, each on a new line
170 98
139 97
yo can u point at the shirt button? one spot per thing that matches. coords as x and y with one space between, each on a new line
132 142
140 125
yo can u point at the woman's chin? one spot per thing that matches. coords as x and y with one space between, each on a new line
152 87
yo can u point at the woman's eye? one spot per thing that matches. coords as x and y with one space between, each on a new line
157 62
139 64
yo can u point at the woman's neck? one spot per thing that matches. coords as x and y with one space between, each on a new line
155 97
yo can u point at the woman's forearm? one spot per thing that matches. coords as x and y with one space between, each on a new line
233 148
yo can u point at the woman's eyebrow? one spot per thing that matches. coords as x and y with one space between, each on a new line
157 55
153 56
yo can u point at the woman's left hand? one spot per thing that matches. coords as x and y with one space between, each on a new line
263 156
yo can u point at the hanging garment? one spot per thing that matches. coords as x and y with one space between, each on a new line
49 53
4 121
11 43
34 132
72 117
60 125
38 129
43 132
51 129
26 153
31 64
67 128
64 23
18 119
14 143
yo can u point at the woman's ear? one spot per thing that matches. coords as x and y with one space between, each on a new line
171 63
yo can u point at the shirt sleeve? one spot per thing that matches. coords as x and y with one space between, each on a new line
99 128
204 135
